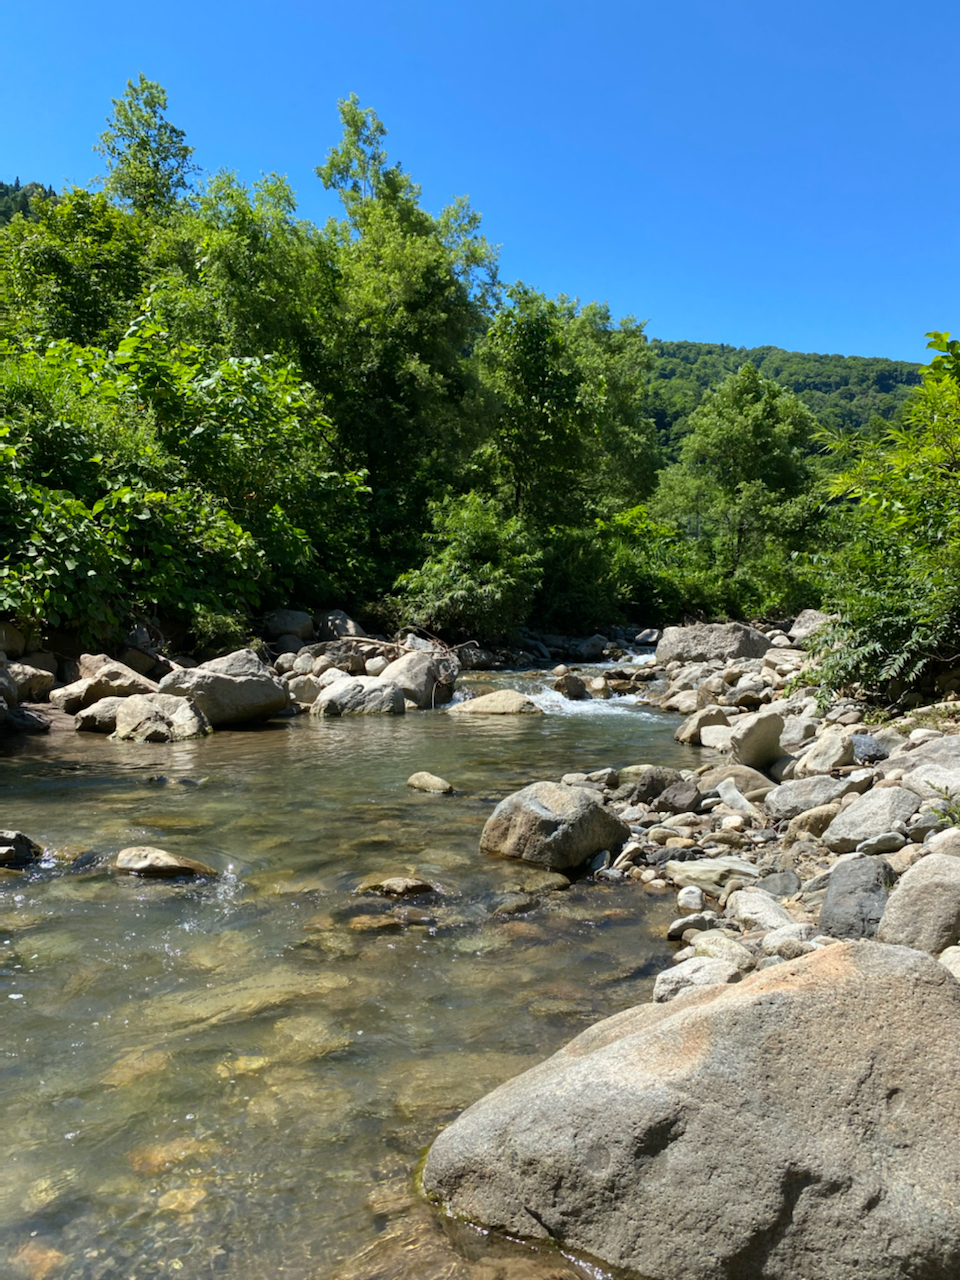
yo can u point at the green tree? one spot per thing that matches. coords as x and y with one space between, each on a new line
741 490
148 159
894 576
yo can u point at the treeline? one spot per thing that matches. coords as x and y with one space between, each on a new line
844 393
15 199
211 406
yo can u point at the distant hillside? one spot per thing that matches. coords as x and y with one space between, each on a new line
845 392
15 198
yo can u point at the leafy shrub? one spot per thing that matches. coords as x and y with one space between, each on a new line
481 574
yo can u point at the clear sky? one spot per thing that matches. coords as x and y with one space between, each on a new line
749 173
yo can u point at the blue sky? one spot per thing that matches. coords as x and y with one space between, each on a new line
749 173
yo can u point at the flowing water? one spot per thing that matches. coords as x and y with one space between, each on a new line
237 1077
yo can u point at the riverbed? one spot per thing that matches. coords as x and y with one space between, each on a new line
237 1077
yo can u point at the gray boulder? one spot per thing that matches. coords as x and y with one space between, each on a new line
707 717
832 750
502 702
33 683
158 717
706 641
359 696
703 1139
230 690
806 626
335 624
288 622
923 912
571 686
856 898
99 717
426 678
868 816
753 908
553 825
698 971
755 740
648 781
791 799
110 680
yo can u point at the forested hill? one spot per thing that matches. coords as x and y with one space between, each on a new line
844 392
15 198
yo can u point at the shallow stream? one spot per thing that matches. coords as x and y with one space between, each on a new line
237 1077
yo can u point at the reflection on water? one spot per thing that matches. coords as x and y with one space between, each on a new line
237 1078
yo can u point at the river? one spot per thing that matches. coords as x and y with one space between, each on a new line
237 1077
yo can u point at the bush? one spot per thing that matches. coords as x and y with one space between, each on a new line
480 576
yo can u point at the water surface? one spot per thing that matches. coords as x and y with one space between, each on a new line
236 1077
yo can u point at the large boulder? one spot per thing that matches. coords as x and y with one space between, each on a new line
755 740
335 624
833 750
426 678
791 799
110 680
806 626
868 816
856 898
705 718
17 849
99 717
553 825
292 622
923 912
502 702
230 690
33 683
648 781
359 696
797 1125
158 717
705 642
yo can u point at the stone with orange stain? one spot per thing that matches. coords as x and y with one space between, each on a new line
181 1199
37 1261
160 1156
799 1123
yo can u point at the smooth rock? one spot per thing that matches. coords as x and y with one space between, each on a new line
716 1109
832 750
790 799
806 626
159 717
715 945
144 860
755 740
397 886
502 702
648 780
553 825
690 899
869 815
230 690
698 971
690 730
704 642
336 625
886 842
33 683
923 911
429 782
284 622
710 873
426 678
305 689
17 849
754 909
359 696
99 717
12 641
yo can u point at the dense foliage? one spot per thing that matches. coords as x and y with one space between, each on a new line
210 406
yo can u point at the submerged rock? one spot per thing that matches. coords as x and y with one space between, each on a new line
703 1138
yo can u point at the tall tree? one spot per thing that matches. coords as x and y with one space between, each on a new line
148 160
